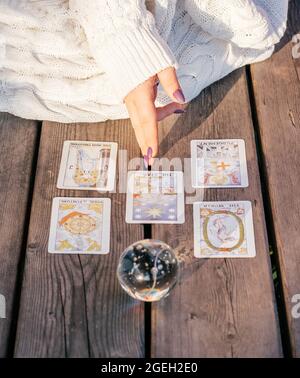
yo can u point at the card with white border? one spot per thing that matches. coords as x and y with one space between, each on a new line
155 197
223 230
88 165
219 163
80 226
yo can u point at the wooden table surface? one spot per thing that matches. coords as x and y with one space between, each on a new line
73 306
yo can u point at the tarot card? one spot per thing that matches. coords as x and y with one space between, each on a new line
223 229
80 225
155 197
88 165
219 163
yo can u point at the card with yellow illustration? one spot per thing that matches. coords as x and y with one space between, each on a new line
155 197
88 165
223 229
219 163
80 225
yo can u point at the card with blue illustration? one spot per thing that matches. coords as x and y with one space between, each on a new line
223 229
155 197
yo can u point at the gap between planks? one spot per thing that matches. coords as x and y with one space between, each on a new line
20 269
283 322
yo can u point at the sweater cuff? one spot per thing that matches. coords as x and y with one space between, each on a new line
133 57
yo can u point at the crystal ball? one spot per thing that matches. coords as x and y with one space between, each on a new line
148 270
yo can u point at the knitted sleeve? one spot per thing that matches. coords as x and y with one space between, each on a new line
123 40
255 24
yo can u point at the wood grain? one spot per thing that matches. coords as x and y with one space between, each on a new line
17 145
72 305
222 307
276 84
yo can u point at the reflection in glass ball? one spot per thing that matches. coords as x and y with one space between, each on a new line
148 270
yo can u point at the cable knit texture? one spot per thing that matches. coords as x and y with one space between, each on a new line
75 61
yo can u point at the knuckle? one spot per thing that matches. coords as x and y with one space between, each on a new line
170 82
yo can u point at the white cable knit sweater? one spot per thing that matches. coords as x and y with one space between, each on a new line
75 61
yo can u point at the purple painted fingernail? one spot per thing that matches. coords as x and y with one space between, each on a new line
149 153
180 111
179 96
146 161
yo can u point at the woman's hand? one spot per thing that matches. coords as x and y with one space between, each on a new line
145 116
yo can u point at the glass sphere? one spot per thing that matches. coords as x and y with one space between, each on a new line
148 270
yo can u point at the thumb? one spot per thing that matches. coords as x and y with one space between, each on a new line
169 81
169 109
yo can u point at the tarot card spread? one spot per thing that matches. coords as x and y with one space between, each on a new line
223 229
88 166
80 225
219 163
155 197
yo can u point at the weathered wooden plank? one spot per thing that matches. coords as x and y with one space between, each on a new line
73 306
18 140
222 307
276 84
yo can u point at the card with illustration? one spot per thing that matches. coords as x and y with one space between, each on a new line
88 165
219 163
80 225
155 197
223 229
